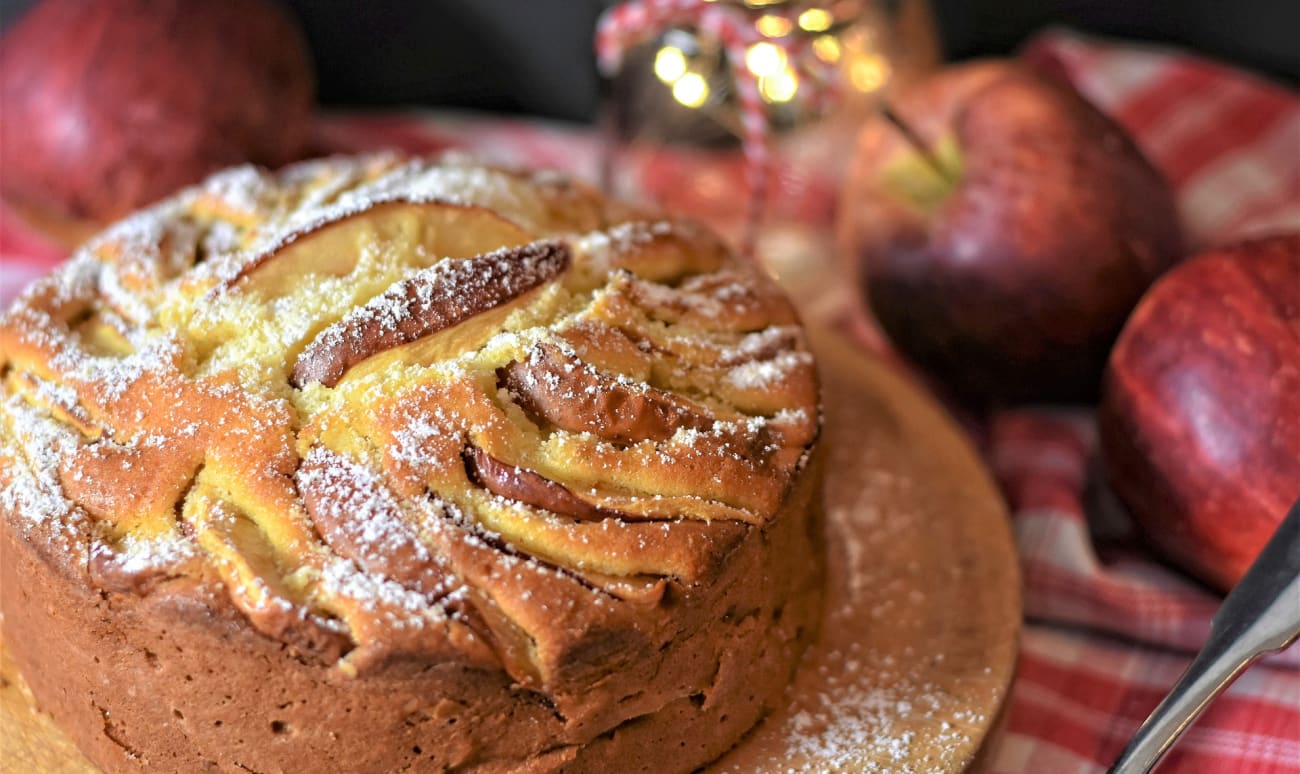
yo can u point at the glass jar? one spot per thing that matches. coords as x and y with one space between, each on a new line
674 116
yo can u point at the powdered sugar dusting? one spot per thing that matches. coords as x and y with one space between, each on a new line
112 376
246 190
875 709
140 556
614 257
606 250
359 493
400 607
33 492
765 373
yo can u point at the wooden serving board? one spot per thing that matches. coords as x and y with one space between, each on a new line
923 610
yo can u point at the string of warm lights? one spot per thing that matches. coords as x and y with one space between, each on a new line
804 49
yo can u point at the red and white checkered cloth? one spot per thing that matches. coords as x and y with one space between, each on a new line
1109 627
1230 144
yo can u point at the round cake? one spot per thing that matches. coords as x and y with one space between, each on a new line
389 464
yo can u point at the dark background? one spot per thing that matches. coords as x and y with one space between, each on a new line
535 56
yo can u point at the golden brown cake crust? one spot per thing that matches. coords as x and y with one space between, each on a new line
376 464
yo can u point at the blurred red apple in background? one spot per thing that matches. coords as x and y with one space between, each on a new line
1200 419
112 104
1008 271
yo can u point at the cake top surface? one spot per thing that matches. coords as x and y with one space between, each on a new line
390 406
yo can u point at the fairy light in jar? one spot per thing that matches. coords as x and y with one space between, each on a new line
815 20
773 26
691 90
868 72
779 87
670 64
765 59
827 48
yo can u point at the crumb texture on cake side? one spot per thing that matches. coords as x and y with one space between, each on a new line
389 464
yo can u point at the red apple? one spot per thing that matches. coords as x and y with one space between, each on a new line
1200 420
1008 270
110 105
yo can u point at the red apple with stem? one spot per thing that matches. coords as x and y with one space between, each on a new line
1200 419
1004 234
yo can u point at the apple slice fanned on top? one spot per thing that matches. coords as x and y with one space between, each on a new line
528 487
432 300
419 231
562 390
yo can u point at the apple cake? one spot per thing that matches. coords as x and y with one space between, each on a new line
381 464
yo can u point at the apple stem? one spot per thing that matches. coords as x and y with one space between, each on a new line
916 142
